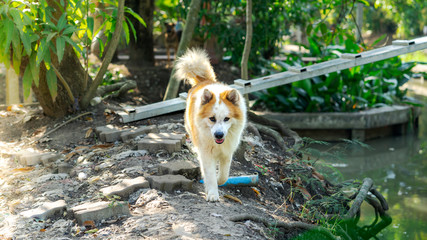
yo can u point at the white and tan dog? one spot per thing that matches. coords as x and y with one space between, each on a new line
215 118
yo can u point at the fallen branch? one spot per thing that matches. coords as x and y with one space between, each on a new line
363 192
291 225
61 125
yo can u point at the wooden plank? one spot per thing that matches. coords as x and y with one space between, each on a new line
346 61
152 110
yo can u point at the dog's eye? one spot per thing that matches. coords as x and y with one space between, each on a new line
226 119
213 119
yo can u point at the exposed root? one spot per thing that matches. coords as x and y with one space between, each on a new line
121 88
279 224
275 124
272 133
364 189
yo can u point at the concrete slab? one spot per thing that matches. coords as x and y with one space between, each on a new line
100 210
126 187
184 168
170 183
154 145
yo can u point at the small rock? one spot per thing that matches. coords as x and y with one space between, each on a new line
130 153
82 176
51 176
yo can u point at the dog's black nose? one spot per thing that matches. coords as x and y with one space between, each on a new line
219 135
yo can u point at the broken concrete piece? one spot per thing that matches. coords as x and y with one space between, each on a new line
172 136
126 187
169 183
185 168
133 133
153 145
100 210
109 133
32 159
46 210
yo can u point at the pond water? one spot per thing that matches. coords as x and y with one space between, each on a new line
398 167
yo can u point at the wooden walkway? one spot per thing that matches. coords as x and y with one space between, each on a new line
399 47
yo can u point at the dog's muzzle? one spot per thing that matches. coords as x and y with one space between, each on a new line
219 137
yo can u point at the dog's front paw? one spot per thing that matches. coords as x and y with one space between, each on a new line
212 196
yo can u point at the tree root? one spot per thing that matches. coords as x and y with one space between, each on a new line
364 189
280 127
279 224
274 129
272 133
121 87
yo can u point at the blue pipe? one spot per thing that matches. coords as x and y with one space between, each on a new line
249 180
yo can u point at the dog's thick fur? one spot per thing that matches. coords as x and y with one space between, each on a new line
215 118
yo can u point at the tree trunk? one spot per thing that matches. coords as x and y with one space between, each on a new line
141 49
74 74
187 34
247 48
248 41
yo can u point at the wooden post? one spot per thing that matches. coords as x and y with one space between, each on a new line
12 87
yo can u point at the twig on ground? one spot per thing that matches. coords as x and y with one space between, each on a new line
61 125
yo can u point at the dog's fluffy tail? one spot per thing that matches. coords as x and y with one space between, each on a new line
195 67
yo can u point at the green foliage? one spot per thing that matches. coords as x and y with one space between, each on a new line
358 88
35 37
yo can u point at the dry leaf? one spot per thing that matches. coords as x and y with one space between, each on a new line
88 132
80 148
304 192
89 119
233 198
69 156
23 169
107 145
42 230
109 118
90 224
256 191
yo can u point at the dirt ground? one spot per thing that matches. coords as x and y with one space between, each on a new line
154 214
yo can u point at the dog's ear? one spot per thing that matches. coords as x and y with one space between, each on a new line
233 96
206 97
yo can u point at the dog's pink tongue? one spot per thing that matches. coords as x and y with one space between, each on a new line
219 141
